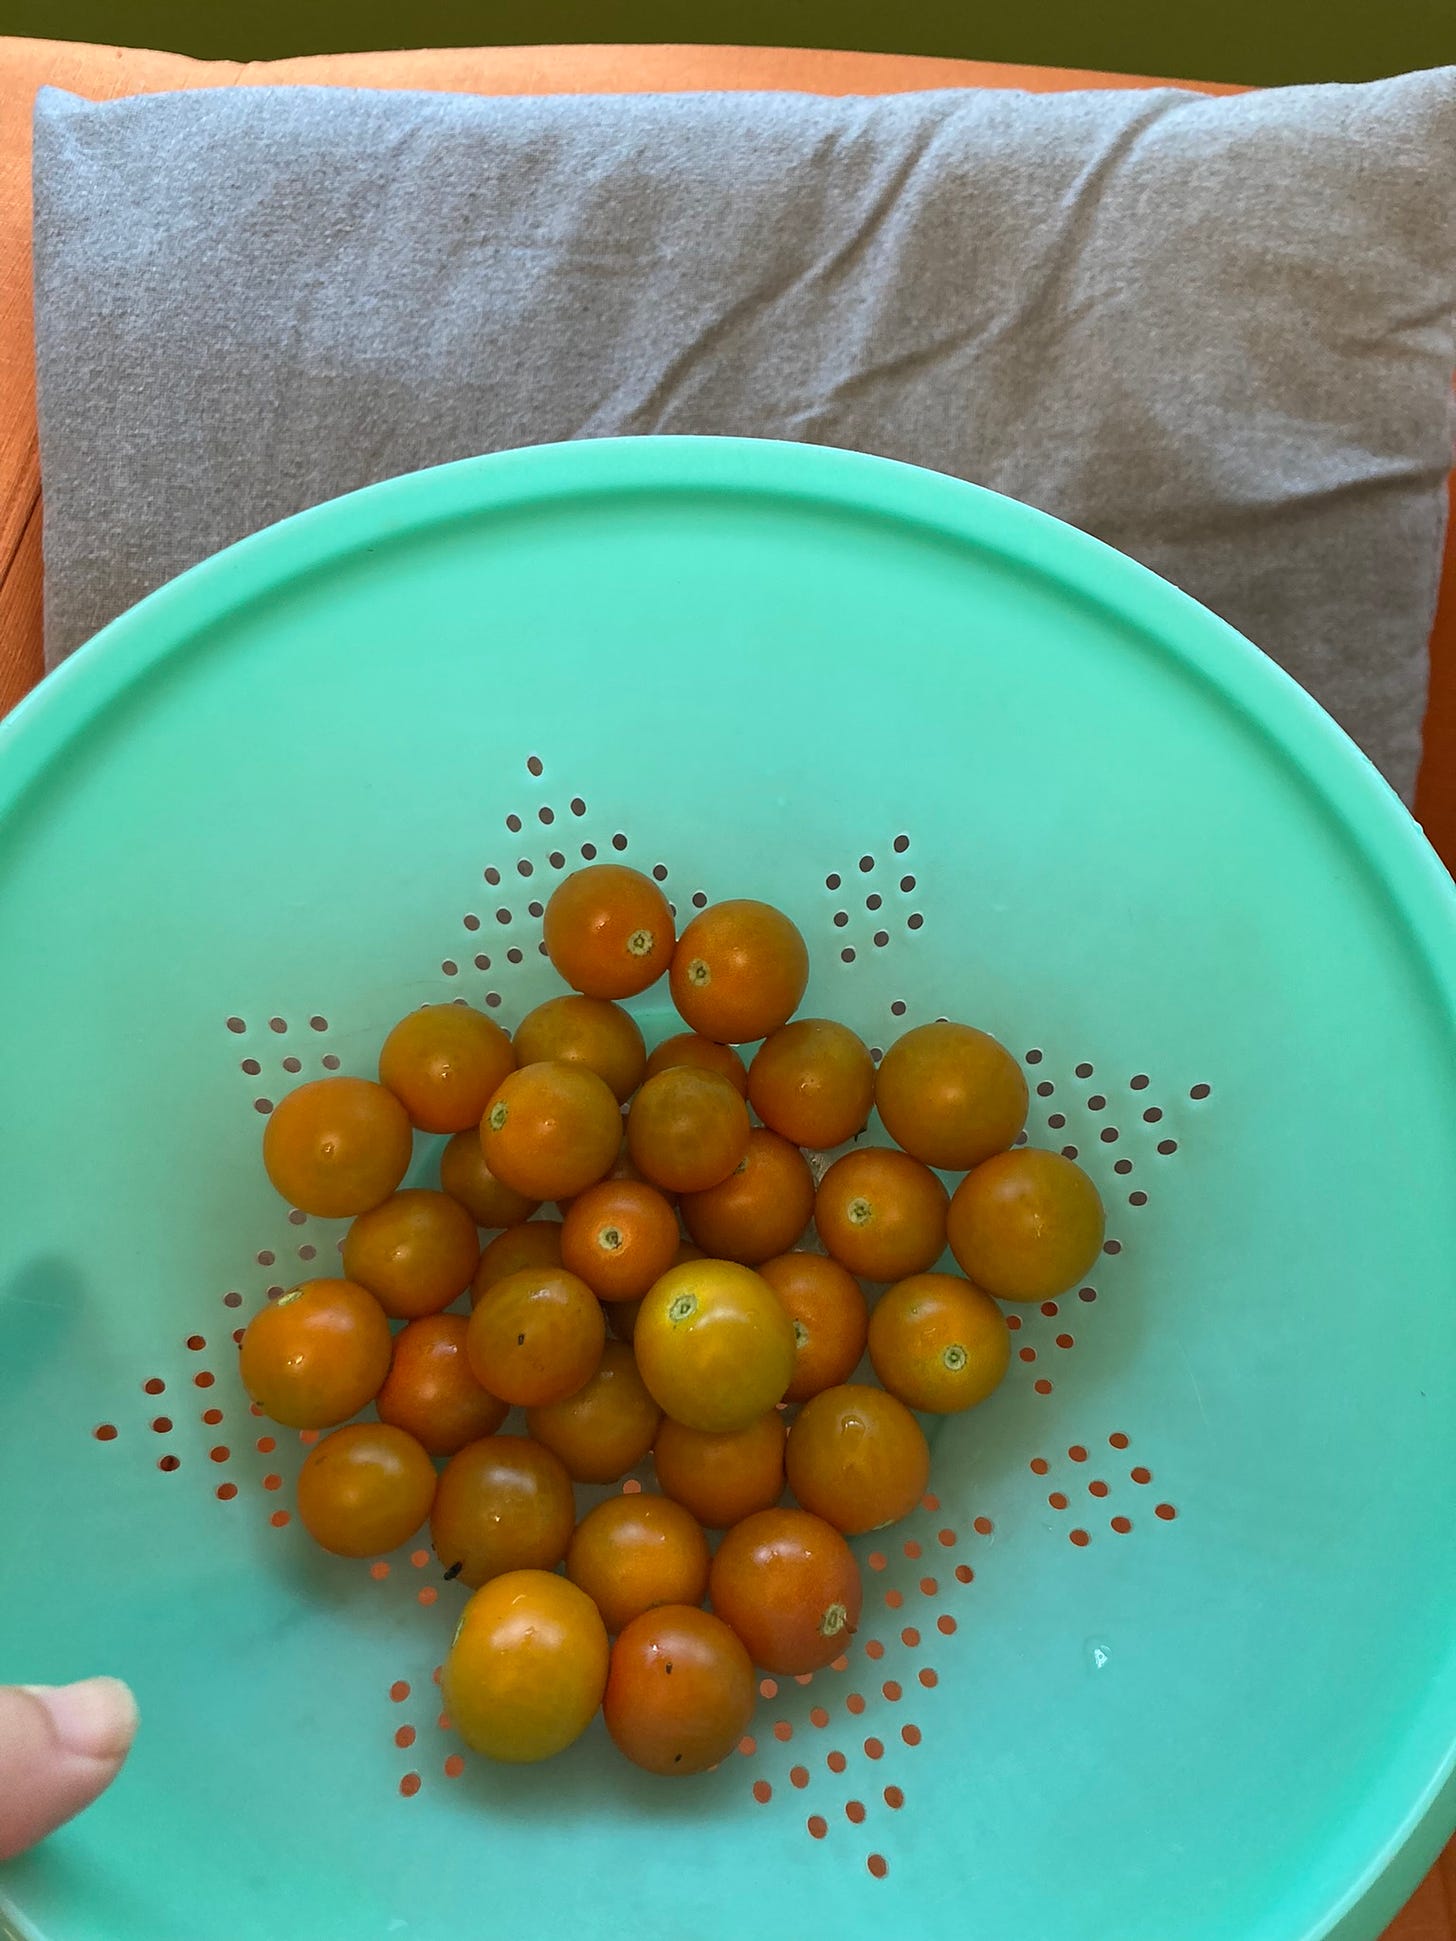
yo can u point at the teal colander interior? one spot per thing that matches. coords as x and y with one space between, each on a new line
1169 1654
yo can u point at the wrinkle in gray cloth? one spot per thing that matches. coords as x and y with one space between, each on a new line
1216 333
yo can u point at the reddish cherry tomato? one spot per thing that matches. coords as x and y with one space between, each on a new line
789 1586
679 1692
605 1428
551 1130
528 1667
315 1356
738 972
814 1082
536 1336
687 1129
337 1146
633 1552
881 1214
858 1458
722 1478
938 1343
1026 1225
951 1095
608 931
687 1048
431 1391
444 1063
503 1503
416 1253
761 1208
585 1031
829 1315
714 1345
365 1490
619 1236
466 1177
535 1243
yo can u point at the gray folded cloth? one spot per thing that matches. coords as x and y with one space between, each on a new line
1216 333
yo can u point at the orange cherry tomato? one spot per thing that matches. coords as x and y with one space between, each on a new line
365 1490
722 1478
789 1586
714 1345
431 1391
622 1318
444 1064
814 1082
551 1130
951 1095
633 1552
881 1214
534 1243
830 1318
1026 1225
938 1344
738 972
687 1048
416 1253
687 1129
606 1427
315 1356
503 1503
858 1458
680 1691
619 1236
337 1146
761 1208
537 1336
586 1031
465 1177
608 931
528 1667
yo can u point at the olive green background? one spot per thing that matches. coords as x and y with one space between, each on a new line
1264 41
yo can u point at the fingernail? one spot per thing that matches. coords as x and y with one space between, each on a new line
96 1718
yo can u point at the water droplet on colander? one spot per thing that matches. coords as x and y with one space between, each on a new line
1099 1654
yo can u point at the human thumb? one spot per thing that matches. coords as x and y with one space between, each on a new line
60 1746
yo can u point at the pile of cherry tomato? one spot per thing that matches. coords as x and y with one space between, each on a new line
670 1310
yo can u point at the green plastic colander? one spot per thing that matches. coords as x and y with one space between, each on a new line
1169 1654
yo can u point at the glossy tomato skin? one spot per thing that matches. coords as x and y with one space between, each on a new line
680 1691
619 1236
789 1586
536 1336
443 1063
431 1391
722 1478
316 1355
881 1214
526 1672
465 1176
534 1243
687 1048
608 931
632 1553
714 1345
416 1252
762 1207
951 1095
606 1427
337 1146
1026 1225
551 1130
365 1489
938 1343
588 1031
738 972
813 1082
503 1503
830 1319
858 1458
687 1129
